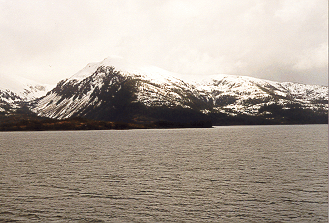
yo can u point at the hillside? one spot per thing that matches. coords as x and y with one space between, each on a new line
114 90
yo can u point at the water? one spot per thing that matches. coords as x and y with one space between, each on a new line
223 174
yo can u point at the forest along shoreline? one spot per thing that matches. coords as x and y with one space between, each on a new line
22 123
79 123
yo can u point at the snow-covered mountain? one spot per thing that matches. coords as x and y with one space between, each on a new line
98 84
14 90
241 94
114 89
24 88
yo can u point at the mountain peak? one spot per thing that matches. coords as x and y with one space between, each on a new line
90 68
156 74
23 87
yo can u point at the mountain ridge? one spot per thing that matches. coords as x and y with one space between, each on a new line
115 90
24 88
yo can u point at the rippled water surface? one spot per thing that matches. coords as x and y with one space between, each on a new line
223 174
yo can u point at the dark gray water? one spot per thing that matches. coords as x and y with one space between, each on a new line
223 174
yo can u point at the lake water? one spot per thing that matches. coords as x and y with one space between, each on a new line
222 174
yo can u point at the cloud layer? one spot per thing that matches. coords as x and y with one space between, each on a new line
282 40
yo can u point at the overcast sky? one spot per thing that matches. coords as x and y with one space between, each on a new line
280 40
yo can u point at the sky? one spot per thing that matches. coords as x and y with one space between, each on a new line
279 40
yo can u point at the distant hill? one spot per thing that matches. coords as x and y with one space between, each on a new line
23 88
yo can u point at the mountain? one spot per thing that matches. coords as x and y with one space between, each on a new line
16 92
246 95
23 88
115 90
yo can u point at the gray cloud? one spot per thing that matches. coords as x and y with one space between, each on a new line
283 40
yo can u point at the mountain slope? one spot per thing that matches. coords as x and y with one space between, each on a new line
24 88
104 88
16 92
241 94
115 90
